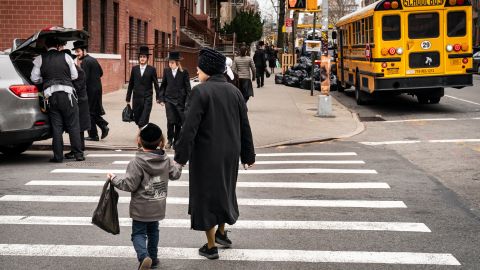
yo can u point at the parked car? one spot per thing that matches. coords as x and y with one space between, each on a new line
476 62
23 118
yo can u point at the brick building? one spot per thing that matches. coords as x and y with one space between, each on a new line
111 25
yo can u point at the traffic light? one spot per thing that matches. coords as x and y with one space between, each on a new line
297 4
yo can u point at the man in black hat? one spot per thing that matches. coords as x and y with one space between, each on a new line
93 74
142 77
175 89
56 70
216 132
260 63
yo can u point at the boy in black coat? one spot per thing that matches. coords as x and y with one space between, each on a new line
142 78
174 91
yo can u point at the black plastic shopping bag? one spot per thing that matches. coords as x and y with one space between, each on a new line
127 114
106 214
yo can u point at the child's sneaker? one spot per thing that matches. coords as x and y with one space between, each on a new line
222 239
211 253
155 263
145 264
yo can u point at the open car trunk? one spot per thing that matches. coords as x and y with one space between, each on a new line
22 56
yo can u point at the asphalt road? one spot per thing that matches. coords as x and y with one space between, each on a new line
442 139
373 209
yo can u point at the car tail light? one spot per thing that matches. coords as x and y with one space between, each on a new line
24 91
384 65
40 123
457 47
387 5
392 51
465 60
394 5
449 48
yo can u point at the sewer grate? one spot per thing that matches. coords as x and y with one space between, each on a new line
371 118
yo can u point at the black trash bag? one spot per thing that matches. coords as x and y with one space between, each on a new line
305 60
105 215
316 85
278 78
306 83
302 66
127 114
292 81
296 67
298 74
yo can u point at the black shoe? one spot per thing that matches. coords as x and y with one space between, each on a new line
79 157
94 139
145 264
105 131
155 263
211 253
222 239
258 86
69 155
54 160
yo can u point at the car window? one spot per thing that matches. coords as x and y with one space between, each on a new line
7 71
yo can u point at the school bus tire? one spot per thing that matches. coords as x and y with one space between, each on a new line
361 97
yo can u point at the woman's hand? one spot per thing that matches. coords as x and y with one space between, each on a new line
110 176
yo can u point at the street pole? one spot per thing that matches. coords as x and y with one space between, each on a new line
324 99
313 54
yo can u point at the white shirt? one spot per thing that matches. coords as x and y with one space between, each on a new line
142 69
36 75
174 72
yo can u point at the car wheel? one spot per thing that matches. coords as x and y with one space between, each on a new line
16 149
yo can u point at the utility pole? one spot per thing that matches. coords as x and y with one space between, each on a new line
281 22
325 100
313 53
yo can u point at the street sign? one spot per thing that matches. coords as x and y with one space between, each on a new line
297 4
289 25
313 45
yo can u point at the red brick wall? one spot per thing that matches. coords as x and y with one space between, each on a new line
21 19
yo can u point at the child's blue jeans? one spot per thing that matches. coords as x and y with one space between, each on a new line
140 232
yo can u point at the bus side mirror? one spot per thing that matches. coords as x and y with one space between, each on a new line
334 35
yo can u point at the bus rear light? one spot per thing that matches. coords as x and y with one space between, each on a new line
384 51
452 2
384 65
449 48
387 5
464 47
392 51
465 60
399 51
457 47
394 5
24 91
460 2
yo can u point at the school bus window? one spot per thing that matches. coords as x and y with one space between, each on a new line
391 27
456 24
370 30
362 32
423 25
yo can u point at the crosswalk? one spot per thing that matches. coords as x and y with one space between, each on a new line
285 194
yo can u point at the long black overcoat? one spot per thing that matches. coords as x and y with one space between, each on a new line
216 132
142 89
83 107
93 75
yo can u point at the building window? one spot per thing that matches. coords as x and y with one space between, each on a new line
103 30
174 31
145 32
115 27
139 31
86 14
131 30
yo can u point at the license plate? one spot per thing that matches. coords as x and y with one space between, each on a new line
455 61
425 71
392 71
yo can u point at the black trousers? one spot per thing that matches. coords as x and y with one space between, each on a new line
96 120
260 76
63 115
175 118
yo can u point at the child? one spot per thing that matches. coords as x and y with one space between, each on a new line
174 92
147 179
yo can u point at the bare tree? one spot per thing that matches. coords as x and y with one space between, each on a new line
339 8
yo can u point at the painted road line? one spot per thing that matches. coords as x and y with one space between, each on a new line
240 224
421 120
454 141
242 201
282 162
390 142
464 100
255 255
300 185
251 171
299 154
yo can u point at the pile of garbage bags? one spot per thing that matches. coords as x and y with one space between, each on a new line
300 75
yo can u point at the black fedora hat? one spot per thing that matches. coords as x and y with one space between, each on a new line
80 44
144 50
174 56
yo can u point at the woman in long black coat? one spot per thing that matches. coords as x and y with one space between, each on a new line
216 132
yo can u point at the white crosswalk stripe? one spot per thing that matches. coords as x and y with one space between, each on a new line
285 167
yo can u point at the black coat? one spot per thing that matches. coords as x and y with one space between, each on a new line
93 74
176 89
216 132
259 59
142 89
81 90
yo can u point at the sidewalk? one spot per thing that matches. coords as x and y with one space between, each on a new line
278 115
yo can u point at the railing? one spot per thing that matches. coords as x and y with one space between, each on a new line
189 21
158 59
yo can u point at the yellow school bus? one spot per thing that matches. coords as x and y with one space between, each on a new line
405 46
